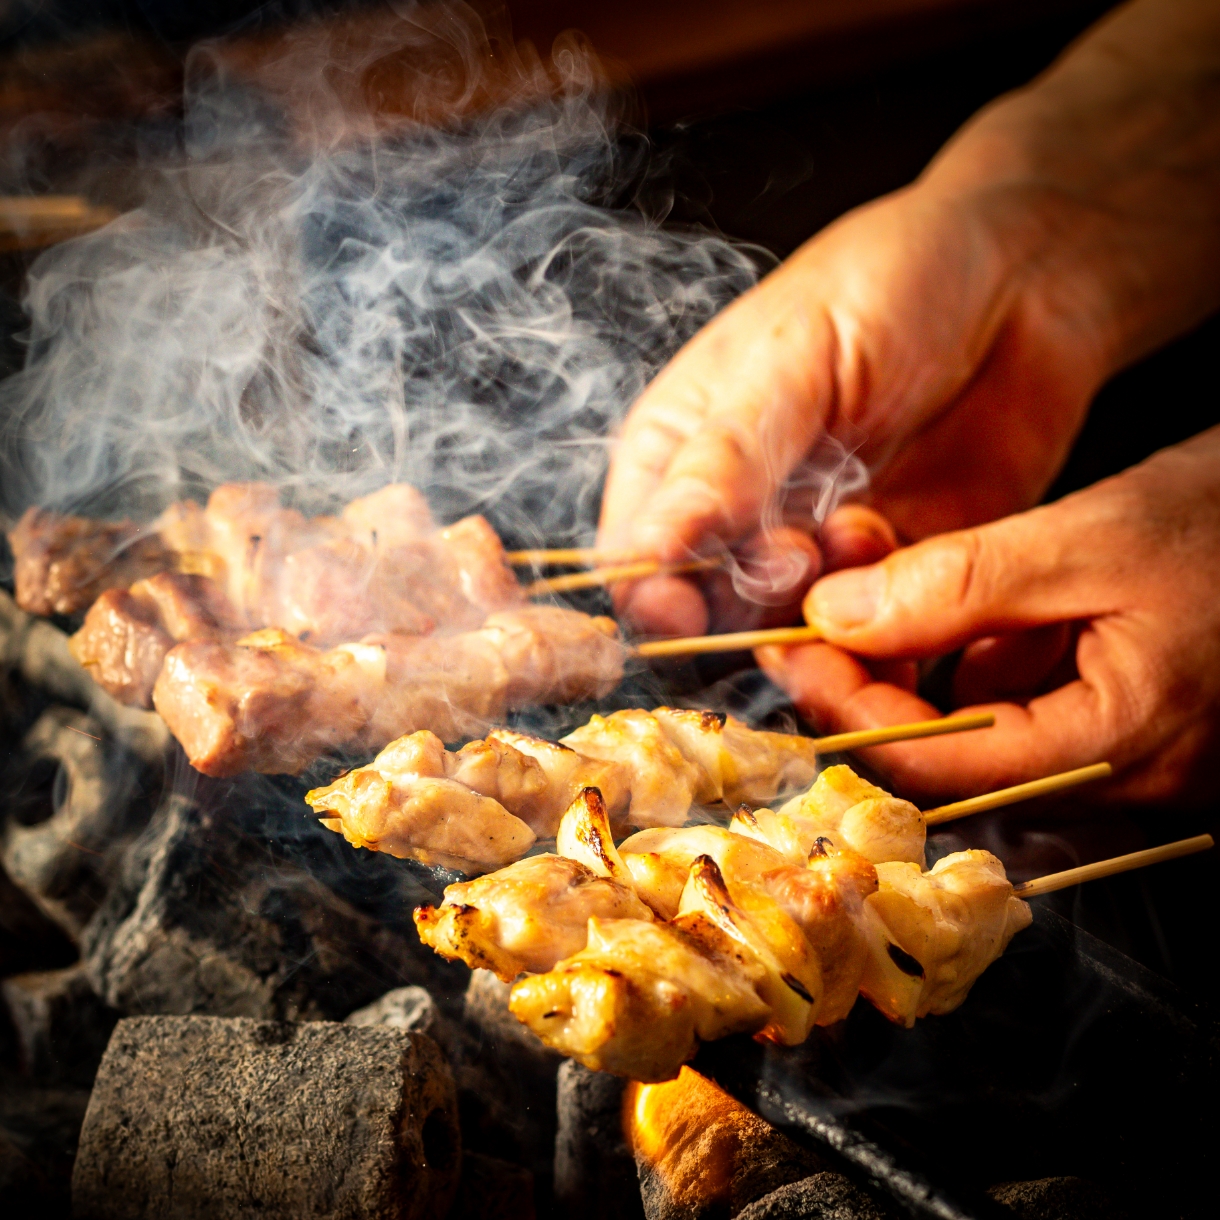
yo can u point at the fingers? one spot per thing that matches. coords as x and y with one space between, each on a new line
1068 728
663 605
713 437
855 535
1040 567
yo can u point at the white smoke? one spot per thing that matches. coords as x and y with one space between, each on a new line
466 298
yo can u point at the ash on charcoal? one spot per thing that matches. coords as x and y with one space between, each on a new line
595 1174
491 1189
67 861
61 1024
701 1154
823 1196
226 1118
206 920
28 938
409 1008
1057 1199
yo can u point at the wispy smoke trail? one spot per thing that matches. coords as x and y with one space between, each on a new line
323 299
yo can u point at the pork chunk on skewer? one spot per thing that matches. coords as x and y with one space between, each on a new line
63 563
127 633
270 703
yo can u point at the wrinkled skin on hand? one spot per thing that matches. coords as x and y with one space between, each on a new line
1090 627
961 325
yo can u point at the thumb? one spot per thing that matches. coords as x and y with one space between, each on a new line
1023 571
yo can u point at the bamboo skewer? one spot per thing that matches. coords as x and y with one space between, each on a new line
611 575
555 557
1111 867
733 641
860 739
1019 792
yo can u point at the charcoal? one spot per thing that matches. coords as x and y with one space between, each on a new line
595 1174
1057 1199
823 1196
230 1117
205 920
491 1189
67 861
39 1127
61 1024
38 652
28 937
701 1154
517 1067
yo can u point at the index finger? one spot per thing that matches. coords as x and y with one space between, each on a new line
711 439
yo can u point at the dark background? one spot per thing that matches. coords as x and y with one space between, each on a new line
769 145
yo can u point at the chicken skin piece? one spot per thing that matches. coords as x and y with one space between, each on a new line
659 860
846 810
791 983
663 782
941 928
406 803
638 999
826 901
734 762
62 564
528 916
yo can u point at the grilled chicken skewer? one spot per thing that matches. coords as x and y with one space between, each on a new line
640 996
821 932
650 767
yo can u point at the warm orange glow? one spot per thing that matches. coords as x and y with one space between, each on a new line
692 1134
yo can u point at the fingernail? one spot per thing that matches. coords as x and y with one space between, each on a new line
849 599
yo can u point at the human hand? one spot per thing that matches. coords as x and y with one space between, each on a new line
1090 627
961 326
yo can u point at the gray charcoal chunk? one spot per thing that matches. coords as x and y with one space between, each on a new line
1058 1199
595 1174
68 861
61 1024
505 1058
491 1189
823 1196
29 938
205 920
227 1118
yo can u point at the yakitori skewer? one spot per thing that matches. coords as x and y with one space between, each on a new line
860 739
482 806
1019 792
731 641
616 574
682 935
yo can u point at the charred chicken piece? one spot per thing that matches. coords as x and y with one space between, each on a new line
528 916
847 810
61 564
640 996
932 934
